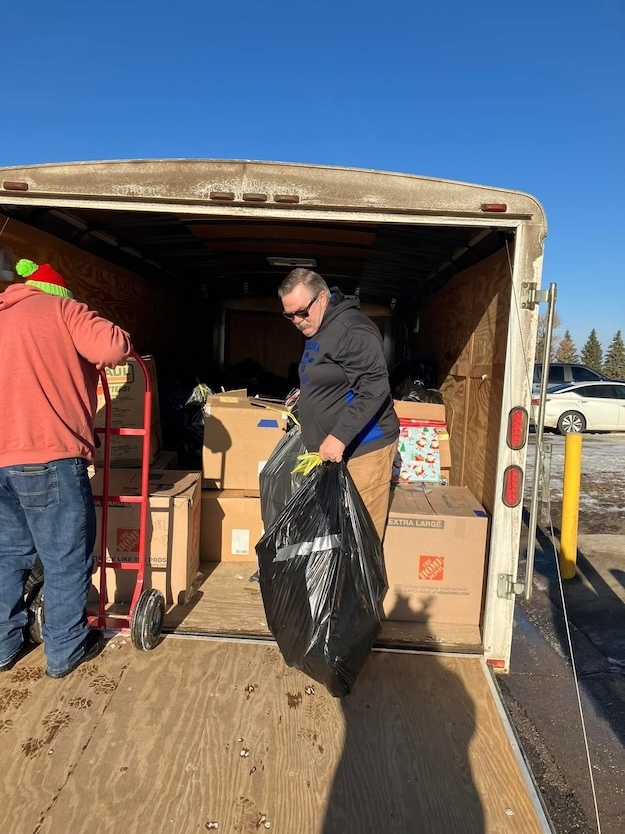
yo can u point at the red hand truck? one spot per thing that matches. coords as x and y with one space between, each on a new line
147 607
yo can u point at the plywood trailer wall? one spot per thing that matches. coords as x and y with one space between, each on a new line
267 338
159 319
466 326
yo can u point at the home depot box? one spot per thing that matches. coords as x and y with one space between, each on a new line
434 552
423 451
173 534
239 435
231 525
127 389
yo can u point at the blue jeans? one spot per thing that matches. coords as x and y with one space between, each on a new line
46 510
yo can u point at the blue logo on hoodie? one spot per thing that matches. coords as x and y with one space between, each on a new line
312 348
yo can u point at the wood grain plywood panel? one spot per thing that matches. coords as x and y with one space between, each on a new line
491 286
453 392
45 726
444 328
491 300
480 457
273 231
153 316
272 341
267 248
226 735
491 440
466 327
228 603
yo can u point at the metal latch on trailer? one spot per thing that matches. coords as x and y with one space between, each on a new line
507 587
531 296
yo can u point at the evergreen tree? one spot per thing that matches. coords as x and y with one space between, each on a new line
592 353
567 352
614 365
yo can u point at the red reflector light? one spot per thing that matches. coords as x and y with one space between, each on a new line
494 207
15 186
498 664
517 428
512 486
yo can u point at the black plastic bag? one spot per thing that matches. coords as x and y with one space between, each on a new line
278 484
183 414
322 579
414 390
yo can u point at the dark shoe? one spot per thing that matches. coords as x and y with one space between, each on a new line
24 648
254 577
94 643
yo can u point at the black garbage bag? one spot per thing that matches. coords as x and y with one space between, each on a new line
278 483
414 390
191 420
322 579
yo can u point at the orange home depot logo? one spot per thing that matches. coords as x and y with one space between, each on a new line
431 567
127 540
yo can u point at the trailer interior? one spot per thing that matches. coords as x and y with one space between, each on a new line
196 288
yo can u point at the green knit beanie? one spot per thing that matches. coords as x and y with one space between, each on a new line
44 278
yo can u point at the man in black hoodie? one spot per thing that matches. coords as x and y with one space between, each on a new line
345 403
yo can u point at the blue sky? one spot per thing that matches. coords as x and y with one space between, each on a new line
523 96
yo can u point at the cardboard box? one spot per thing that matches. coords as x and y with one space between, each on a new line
127 389
173 535
423 453
434 552
162 460
231 525
239 435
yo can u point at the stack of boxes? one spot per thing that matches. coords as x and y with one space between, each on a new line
240 433
173 532
435 541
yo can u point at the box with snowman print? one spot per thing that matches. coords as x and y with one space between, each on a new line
423 447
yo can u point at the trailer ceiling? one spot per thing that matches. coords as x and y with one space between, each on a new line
229 256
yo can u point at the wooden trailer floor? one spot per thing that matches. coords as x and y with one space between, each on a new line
227 603
205 735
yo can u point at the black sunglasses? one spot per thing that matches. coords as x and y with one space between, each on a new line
301 314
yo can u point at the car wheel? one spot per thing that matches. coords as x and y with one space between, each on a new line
571 422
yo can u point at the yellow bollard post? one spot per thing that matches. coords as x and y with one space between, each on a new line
570 504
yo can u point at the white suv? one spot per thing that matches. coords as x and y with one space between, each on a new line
561 373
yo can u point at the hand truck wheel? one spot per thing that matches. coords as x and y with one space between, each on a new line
34 581
147 620
35 615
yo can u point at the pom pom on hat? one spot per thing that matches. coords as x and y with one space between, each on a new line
43 277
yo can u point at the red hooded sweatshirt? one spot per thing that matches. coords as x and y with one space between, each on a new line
50 352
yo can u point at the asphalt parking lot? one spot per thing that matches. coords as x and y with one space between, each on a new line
589 610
